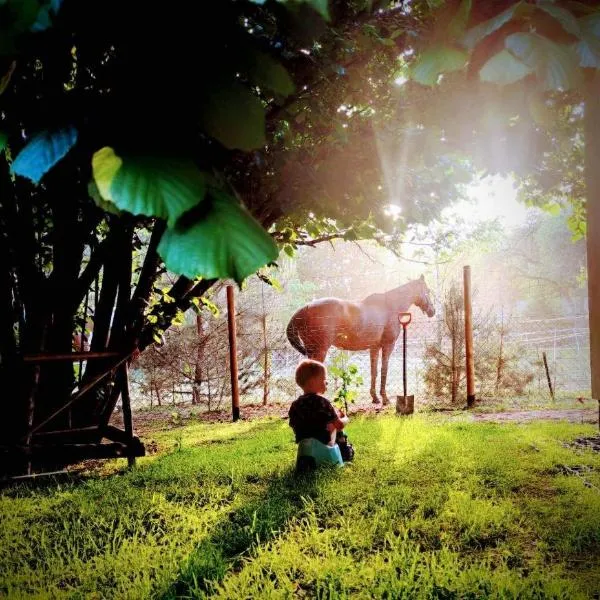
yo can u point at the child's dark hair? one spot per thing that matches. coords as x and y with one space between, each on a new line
307 369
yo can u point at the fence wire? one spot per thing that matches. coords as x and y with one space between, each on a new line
193 366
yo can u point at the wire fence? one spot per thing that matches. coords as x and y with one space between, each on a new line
193 365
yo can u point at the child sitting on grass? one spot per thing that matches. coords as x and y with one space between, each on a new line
314 419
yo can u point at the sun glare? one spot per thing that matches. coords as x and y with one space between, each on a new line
393 211
493 197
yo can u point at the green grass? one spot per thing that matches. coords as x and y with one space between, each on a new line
430 509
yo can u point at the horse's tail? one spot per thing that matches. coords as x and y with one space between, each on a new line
293 337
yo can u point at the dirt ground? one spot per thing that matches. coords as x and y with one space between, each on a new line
166 417
574 415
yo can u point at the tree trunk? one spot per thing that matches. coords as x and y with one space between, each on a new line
198 365
592 176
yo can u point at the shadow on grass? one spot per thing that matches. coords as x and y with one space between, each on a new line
244 530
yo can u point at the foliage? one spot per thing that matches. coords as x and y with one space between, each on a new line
432 508
501 369
551 49
347 380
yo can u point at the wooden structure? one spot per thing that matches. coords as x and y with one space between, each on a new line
592 177
470 366
48 443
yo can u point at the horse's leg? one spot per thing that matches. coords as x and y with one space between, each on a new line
386 352
374 359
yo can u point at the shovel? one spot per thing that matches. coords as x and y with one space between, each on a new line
405 405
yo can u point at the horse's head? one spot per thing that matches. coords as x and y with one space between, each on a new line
423 297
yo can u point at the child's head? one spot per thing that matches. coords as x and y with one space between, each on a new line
311 376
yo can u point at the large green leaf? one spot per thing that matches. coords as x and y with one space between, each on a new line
148 185
435 61
503 68
266 72
555 65
105 164
481 31
232 114
96 196
47 11
226 242
43 152
588 48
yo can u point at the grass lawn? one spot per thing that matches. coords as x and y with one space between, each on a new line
431 508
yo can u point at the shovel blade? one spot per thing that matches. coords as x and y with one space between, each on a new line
405 405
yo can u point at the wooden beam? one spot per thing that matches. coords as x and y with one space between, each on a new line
68 357
78 430
69 453
126 406
84 390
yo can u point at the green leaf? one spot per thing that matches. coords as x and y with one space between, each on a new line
44 19
436 60
43 152
212 307
556 65
105 165
227 242
233 115
3 140
588 48
481 31
96 196
567 20
266 72
289 250
552 207
152 186
503 68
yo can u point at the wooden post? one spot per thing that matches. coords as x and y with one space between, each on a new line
469 337
266 373
548 375
591 123
233 366
127 418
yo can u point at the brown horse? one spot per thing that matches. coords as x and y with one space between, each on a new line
371 324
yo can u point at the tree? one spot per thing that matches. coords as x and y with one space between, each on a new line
130 135
545 56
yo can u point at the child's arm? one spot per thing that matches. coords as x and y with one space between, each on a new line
339 423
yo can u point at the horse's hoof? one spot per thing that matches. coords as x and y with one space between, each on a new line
375 401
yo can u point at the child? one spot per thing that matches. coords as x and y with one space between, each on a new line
314 419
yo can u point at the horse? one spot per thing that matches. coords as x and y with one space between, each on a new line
371 324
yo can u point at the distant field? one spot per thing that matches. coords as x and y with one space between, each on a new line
431 508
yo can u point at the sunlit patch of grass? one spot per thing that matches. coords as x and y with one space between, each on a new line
431 508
